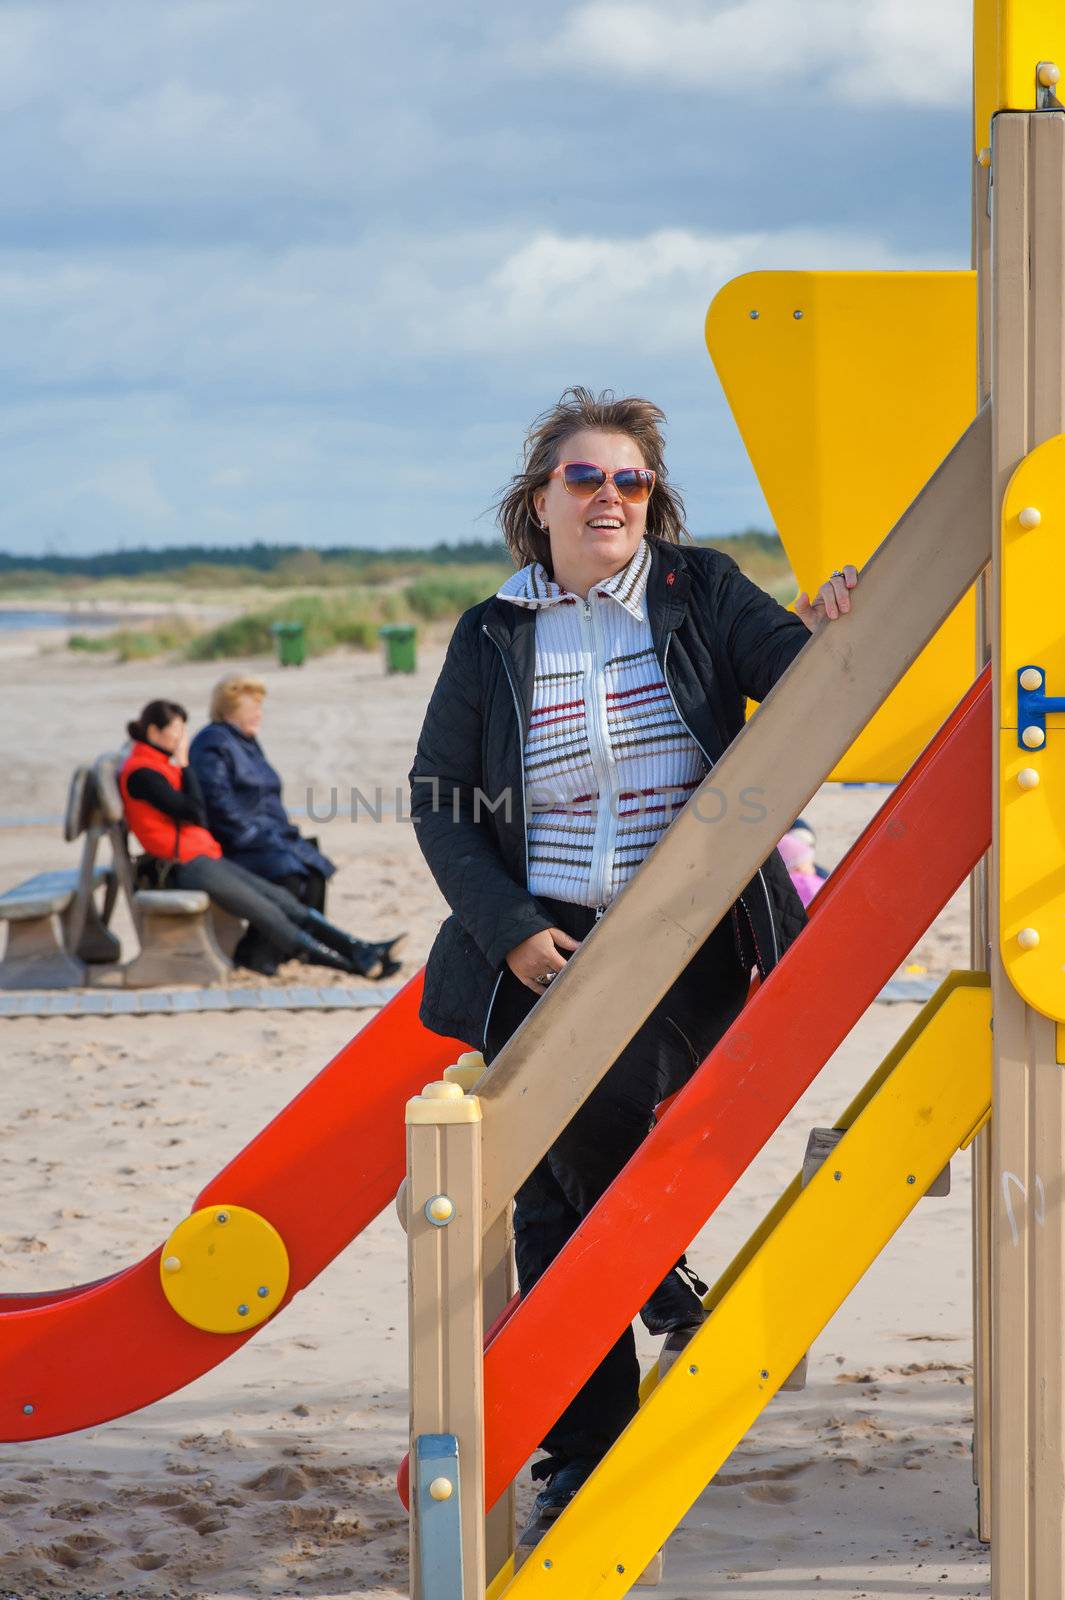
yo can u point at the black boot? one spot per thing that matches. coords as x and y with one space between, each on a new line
564 1478
368 960
675 1303
314 954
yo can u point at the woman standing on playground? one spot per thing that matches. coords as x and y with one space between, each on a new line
576 713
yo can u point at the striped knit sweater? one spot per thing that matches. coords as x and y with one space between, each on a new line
608 764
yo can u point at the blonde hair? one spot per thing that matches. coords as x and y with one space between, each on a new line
577 410
229 691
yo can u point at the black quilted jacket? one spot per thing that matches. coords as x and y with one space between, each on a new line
719 639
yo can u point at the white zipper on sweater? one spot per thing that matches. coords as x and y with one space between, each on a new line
604 842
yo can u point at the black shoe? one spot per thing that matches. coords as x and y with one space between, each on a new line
554 1497
365 959
675 1303
383 951
313 954
256 954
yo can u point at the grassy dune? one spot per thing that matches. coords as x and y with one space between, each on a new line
341 599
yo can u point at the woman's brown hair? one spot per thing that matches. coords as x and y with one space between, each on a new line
577 410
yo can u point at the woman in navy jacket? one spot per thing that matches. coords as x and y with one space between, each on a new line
242 796
242 793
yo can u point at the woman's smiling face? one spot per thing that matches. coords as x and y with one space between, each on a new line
594 537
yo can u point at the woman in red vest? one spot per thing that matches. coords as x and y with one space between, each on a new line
165 813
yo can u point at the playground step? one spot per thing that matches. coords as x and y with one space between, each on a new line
819 1146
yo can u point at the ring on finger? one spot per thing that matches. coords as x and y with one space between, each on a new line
547 977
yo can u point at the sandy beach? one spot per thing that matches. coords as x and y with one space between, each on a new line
274 1474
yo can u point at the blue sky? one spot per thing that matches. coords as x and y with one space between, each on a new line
304 272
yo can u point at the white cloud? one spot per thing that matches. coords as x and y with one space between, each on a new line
131 488
767 52
313 319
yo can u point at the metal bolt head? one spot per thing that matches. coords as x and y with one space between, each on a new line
1029 517
693 1370
222 1216
838 1176
1028 778
911 1178
1033 737
172 1264
753 315
548 1562
764 1373
797 315
262 1291
27 1410
620 1568
242 1311
439 1210
1049 74
1028 938
1031 678
441 1489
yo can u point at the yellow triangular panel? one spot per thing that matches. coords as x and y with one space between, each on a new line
849 388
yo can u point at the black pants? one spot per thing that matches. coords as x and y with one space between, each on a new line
256 949
271 911
588 1155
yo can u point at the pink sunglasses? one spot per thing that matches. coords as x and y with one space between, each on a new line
584 478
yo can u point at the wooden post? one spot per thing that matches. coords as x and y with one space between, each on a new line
446 1334
499 1286
1028 1120
979 926
498 1289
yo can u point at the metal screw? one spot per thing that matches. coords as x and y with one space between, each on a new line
222 1216
838 1176
911 1178
439 1210
620 1568
753 315
242 1311
797 315
262 1291
765 1373
27 1410
548 1562
693 1370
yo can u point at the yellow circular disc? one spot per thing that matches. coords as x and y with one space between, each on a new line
224 1269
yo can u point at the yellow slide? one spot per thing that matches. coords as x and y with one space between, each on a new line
927 1099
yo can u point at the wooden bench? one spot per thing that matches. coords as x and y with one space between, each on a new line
45 950
58 936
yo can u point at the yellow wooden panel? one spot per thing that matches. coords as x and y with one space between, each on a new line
846 410
1010 39
775 1309
1031 800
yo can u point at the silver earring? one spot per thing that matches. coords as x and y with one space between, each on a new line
544 528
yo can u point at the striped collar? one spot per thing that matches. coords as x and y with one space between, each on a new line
532 588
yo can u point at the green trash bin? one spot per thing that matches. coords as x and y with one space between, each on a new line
399 647
291 644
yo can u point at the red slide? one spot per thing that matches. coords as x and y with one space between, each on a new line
320 1172
918 849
